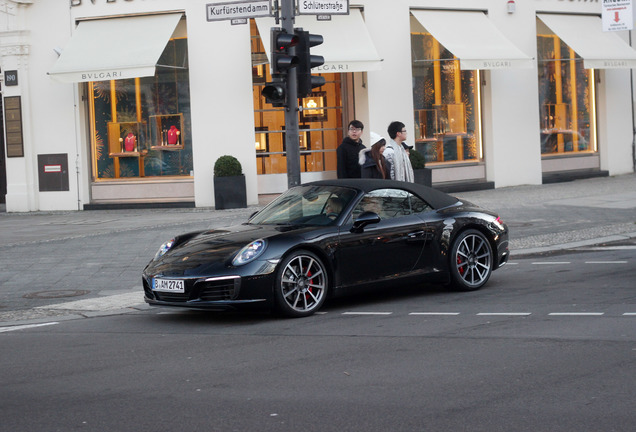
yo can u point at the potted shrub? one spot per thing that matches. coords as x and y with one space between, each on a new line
422 174
229 184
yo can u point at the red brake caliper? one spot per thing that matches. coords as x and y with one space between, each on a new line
460 269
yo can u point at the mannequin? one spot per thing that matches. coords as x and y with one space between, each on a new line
130 142
173 135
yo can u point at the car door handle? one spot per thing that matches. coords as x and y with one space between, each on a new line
415 235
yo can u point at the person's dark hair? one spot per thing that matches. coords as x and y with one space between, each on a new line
394 128
356 124
378 158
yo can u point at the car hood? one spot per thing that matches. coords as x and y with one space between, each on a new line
198 252
468 207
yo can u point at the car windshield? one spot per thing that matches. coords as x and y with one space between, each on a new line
306 205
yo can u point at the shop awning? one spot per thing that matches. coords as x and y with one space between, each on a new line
473 39
115 48
347 45
585 35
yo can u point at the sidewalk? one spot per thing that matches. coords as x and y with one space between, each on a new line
54 258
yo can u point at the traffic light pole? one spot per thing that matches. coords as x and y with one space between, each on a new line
291 106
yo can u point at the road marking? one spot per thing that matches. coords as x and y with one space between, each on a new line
551 262
629 314
604 248
367 313
504 313
434 313
605 262
25 326
576 313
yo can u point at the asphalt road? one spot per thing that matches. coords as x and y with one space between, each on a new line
548 344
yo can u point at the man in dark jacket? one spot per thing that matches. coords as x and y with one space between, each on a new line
347 152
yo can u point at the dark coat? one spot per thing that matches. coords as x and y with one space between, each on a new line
370 167
347 154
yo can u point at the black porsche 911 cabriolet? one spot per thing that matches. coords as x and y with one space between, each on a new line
322 238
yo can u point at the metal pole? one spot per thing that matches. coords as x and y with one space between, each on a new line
291 106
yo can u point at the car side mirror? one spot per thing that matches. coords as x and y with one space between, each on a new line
363 220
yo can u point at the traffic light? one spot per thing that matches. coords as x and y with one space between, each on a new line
275 92
283 56
307 61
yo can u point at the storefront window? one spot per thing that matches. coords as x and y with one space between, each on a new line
141 127
320 121
566 97
446 100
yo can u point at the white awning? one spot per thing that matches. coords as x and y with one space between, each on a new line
115 48
347 45
585 35
473 39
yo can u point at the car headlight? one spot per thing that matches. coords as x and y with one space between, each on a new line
249 252
164 248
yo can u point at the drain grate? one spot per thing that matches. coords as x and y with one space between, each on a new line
53 294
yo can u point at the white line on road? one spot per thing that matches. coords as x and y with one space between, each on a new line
25 326
367 313
504 313
605 262
604 248
551 263
576 313
434 313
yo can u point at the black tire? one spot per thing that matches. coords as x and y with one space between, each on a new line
301 284
471 261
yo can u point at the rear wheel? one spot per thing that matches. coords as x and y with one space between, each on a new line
301 284
471 261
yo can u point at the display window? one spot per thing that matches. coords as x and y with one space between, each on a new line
320 121
446 101
566 97
141 127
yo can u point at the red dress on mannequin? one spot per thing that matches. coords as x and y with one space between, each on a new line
129 142
173 135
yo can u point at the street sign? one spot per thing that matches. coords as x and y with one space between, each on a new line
323 7
617 15
238 10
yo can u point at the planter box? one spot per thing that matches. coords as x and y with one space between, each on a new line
424 176
230 192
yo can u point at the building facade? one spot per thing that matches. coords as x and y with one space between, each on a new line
119 102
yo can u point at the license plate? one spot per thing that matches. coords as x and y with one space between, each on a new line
168 285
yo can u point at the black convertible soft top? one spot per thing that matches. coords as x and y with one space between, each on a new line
435 198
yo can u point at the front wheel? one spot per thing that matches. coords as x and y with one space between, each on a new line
471 261
301 284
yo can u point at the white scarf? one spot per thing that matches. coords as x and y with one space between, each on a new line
401 164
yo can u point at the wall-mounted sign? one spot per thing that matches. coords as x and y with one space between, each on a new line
323 7
13 126
238 10
11 78
617 15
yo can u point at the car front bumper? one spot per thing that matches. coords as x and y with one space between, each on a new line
214 293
